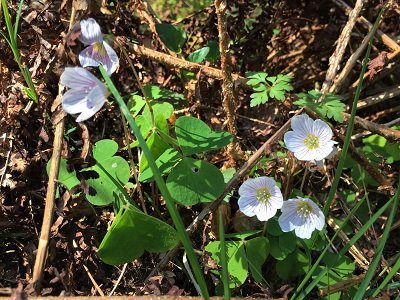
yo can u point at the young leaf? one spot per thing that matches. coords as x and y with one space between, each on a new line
193 181
172 36
133 232
117 168
194 136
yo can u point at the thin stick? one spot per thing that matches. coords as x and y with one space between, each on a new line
351 62
251 162
227 81
6 163
182 64
390 93
343 40
367 24
96 286
41 254
118 280
383 130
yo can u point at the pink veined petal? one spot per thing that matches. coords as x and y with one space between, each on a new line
88 57
286 220
112 63
322 151
74 101
303 153
95 101
249 187
264 212
304 231
322 130
302 124
79 79
294 140
247 206
90 32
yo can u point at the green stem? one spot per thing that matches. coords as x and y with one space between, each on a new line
173 211
224 260
350 126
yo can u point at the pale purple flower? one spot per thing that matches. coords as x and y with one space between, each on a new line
98 51
310 139
86 94
260 197
301 215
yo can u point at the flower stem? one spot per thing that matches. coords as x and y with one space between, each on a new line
173 211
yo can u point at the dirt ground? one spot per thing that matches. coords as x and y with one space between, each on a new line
308 31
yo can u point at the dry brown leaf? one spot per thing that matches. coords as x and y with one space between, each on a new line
376 64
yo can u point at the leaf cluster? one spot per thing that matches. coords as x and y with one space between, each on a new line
331 107
267 87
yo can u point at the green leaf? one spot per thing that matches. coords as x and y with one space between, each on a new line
135 104
165 163
237 262
287 242
199 55
193 181
340 264
332 107
275 249
172 36
273 227
67 178
157 147
154 92
276 88
133 232
116 167
257 251
213 55
294 265
194 136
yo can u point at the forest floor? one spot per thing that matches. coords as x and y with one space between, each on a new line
280 37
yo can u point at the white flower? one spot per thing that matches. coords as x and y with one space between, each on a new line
260 197
98 52
310 139
301 215
86 94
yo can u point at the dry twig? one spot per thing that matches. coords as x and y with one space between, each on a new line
336 58
227 81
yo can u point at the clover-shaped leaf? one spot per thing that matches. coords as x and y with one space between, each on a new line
107 166
193 181
194 136
133 232
67 178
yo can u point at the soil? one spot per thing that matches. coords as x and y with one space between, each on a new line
308 31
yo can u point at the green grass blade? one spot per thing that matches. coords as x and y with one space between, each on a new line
378 254
350 126
224 260
7 18
161 185
347 246
389 276
17 18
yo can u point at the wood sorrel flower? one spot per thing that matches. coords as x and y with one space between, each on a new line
98 52
310 139
86 94
301 215
260 197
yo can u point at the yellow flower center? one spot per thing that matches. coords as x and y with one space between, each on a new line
99 49
263 195
311 141
304 208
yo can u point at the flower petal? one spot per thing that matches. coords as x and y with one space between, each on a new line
74 101
79 79
112 62
89 58
322 130
90 32
302 124
95 101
